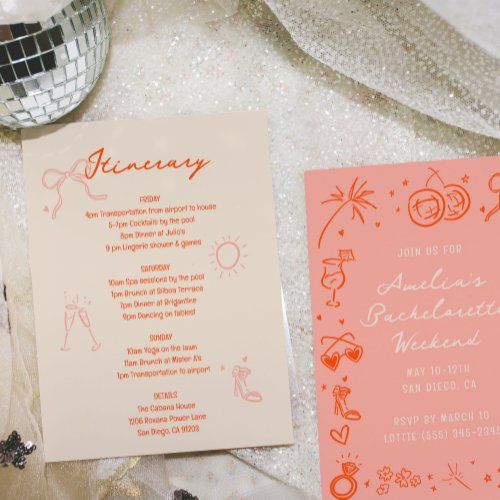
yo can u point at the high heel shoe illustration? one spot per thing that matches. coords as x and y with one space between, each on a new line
240 374
341 394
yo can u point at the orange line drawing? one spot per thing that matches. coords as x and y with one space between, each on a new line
427 206
385 474
457 476
345 491
340 436
340 394
240 374
383 489
353 351
356 198
61 176
403 478
333 277
494 186
70 312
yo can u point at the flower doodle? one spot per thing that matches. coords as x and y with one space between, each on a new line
415 481
385 474
402 478
383 489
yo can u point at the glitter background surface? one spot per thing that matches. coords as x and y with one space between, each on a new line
199 61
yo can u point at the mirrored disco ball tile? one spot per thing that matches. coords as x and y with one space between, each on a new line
48 68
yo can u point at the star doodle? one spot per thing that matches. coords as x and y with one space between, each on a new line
487 478
465 179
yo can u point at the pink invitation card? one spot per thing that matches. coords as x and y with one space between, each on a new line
157 295
405 274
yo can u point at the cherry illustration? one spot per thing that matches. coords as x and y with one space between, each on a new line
457 199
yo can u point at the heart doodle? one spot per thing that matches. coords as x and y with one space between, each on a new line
331 362
341 436
341 321
354 354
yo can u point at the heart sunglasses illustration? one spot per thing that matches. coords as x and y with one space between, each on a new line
351 350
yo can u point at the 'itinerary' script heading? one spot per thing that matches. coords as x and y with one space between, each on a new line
97 161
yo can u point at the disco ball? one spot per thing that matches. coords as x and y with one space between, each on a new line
48 68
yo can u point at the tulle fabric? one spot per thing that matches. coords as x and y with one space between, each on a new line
403 50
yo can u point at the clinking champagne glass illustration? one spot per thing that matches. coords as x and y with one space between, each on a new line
70 312
333 274
84 318
69 319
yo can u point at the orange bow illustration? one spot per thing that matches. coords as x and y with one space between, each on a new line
61 177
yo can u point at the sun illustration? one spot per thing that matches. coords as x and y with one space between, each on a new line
228 255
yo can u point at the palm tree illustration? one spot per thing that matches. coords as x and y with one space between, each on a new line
357 199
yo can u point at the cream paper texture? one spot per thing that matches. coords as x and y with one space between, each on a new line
190 59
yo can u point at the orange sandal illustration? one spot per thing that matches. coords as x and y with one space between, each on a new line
340 393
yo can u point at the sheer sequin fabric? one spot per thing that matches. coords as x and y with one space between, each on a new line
180 57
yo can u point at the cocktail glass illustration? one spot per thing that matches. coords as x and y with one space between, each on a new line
333 277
